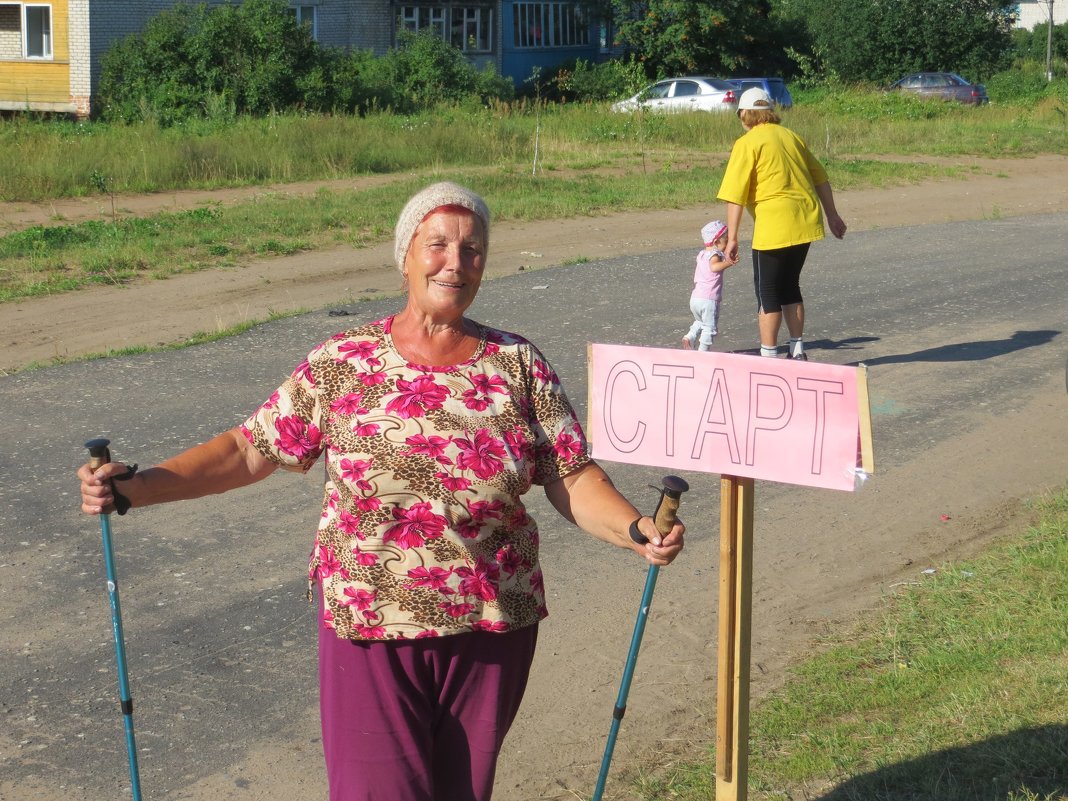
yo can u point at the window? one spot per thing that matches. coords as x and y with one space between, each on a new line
25 31
549 25
467 28
686 89
306 15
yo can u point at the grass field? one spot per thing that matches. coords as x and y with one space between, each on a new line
530 162
956 690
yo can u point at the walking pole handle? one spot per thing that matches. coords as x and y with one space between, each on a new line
666 508
98 452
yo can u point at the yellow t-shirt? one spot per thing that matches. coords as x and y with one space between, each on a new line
772 173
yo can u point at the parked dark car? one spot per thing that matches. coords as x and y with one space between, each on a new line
776 87
942 86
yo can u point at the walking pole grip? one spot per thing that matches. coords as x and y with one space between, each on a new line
98 452
666 508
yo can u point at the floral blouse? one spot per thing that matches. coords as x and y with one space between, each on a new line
423 532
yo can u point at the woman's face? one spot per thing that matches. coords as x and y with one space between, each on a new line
444 263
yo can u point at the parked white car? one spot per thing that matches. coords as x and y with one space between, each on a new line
684 94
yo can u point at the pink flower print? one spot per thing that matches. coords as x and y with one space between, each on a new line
457 610
295 438
481 581
428 633
567 447
370 632
370 615
491 348
488 384
348 404
481 454
367 504
328 563
364 558
355 350
330 507
433 577
453 483
358 598
365 429
489 625
417 397
509 560
516 442
348 523
352 471
519 517
537 581
371 379
328 617
476 402
544 373
486 510
416 525
246 432
432 446
301 373
469 529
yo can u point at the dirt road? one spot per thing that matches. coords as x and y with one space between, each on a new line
228 712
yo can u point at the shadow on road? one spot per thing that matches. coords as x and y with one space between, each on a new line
967 351
1029 763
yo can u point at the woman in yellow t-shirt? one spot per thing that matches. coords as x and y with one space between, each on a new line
772 173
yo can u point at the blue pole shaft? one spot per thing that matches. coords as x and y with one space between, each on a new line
628 674
120 656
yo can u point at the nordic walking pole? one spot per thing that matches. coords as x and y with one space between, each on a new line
664 517
98 456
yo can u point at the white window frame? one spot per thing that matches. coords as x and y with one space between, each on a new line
41 34
300 10
549 23
474 24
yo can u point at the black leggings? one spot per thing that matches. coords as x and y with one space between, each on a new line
777 276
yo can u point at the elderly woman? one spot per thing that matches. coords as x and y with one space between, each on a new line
426 562
772 172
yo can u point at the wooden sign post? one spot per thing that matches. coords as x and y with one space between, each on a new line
745 418
735 625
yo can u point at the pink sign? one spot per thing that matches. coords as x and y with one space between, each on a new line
774 419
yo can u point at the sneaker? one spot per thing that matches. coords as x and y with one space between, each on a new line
802 356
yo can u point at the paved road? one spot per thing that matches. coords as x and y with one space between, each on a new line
959 323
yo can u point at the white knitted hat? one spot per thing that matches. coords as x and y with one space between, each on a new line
425 201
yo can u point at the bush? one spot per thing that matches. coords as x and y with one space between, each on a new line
609 80
252 58
255 58
424 71
1026 84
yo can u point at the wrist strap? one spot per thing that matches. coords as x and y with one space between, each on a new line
636 535
122 503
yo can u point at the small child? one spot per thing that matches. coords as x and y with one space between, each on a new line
707 287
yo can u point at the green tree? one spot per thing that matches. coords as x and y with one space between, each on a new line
250 58
675 37
881 41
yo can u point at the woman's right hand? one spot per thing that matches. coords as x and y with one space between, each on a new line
97 497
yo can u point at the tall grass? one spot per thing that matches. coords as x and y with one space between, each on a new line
958 690
46 160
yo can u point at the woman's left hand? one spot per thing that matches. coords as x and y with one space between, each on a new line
661 549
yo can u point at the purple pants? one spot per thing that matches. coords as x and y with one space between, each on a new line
419 720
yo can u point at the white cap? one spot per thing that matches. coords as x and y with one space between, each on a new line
754 99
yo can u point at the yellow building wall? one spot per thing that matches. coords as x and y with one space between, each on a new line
26 82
